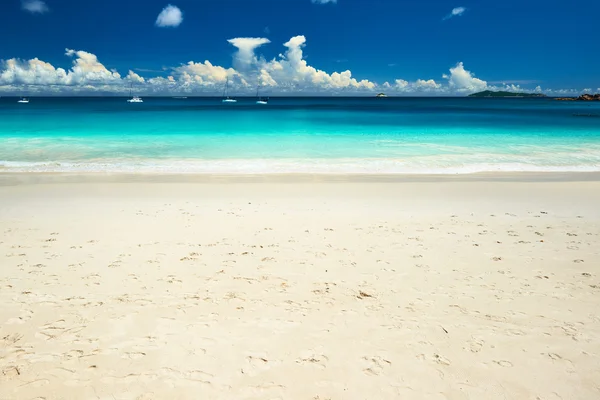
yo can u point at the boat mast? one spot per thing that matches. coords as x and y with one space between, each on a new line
258 85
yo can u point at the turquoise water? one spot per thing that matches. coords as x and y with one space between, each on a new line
328 135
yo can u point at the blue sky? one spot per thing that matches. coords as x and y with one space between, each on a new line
410 44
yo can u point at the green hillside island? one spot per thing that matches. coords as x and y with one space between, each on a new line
489 93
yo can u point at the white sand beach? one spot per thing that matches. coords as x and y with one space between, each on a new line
144 287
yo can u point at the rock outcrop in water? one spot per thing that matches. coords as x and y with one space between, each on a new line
583 97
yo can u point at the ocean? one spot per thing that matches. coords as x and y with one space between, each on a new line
299 135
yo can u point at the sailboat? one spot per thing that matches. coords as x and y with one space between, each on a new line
23 100
226 98
260 100
134 99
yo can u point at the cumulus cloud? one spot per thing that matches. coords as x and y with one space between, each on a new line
34 6
245 57
401 84
292 69
460 81
170 16
202 73
133 77
324 1
456 12
515 81
427 85
86 70
464 81
288 73
423 86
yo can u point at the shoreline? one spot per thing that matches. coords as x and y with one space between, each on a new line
24 178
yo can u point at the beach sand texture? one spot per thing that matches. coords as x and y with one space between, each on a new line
325 290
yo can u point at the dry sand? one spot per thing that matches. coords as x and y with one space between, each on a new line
438 288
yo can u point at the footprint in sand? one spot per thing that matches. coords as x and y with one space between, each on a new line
475 345
73 354
11 372
21 319
503 363
134 355
441 359
375 365
200 376
257 363
317 360
558 358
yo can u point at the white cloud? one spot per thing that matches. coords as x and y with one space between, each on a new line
427 85
419 86
515 81
293 71
324 1
245 57
401 84
86 70
34 6
170 16
462 80
202 73
456 12
32 72
133 77
288 73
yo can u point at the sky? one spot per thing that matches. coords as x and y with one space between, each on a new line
298 47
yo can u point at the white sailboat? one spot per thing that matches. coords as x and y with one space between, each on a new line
226 98
23 100
134 99
260 100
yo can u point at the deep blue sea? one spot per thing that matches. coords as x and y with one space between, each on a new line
313 135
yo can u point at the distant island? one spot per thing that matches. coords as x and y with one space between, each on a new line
490 93
583 97
381 95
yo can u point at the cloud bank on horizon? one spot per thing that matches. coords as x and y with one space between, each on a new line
287 74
